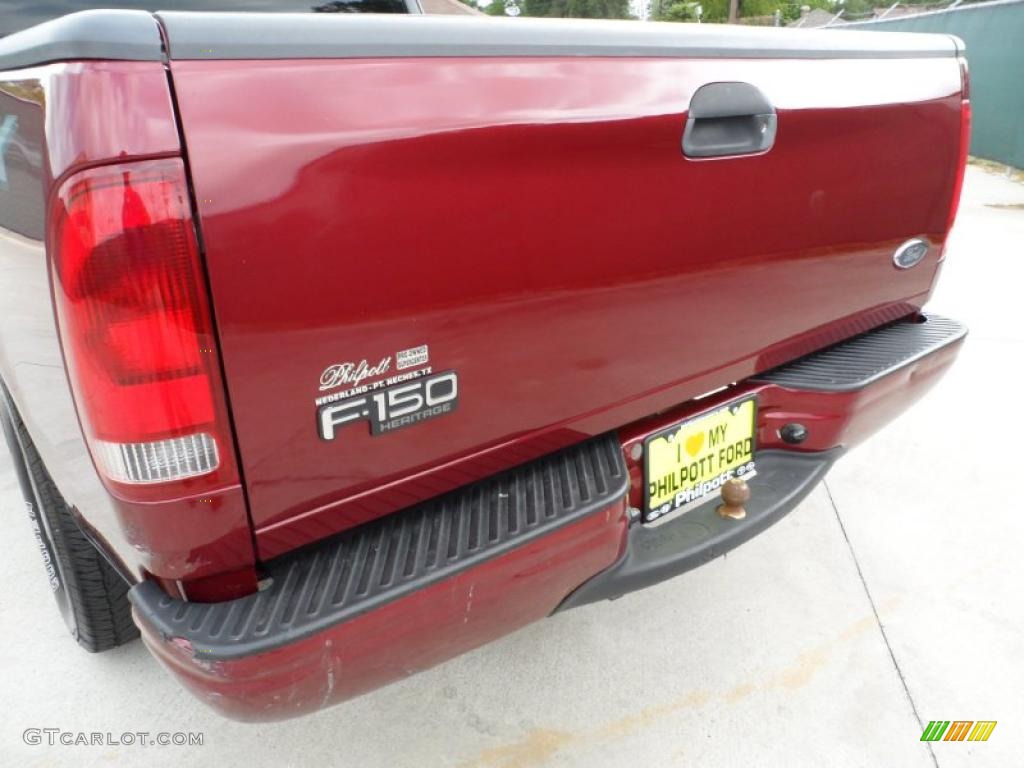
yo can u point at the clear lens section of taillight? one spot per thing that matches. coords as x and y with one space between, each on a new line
158 461
136 325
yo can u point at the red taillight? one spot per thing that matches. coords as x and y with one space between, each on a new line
965 142
136 328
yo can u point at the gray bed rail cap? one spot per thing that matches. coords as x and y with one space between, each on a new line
314 36
134 36
86 35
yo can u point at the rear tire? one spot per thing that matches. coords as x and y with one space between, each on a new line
91 596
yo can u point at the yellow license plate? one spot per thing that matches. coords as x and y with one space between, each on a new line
688 461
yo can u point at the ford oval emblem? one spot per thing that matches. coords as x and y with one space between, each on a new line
910 253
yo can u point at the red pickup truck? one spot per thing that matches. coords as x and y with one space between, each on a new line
335 346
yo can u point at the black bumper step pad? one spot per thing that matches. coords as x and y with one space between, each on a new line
857 362
359 570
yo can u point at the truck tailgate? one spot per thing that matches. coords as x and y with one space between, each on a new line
511 203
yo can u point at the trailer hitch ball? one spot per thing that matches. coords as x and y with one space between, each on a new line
735 493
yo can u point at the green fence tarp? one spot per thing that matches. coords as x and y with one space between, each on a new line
994 35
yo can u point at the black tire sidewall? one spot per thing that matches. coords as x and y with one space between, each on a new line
41 528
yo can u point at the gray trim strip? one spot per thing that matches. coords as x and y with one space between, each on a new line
133 36
315 36
119 35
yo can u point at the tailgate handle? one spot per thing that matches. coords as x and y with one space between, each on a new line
729 119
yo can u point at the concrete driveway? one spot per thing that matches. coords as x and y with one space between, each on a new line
891 597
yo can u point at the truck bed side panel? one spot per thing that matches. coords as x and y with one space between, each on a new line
61 118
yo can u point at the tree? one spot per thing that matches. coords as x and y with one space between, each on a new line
717 11
686 10
857 9
679 10
578 9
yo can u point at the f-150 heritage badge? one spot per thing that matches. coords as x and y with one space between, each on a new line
391 408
